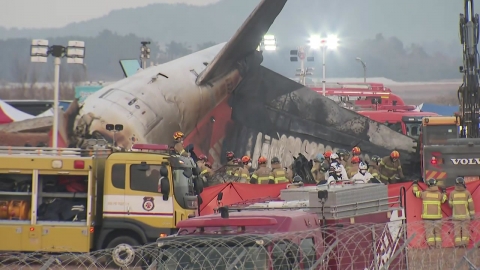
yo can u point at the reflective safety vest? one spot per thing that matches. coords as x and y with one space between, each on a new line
243 173
279 176
263 175
230 168
461 202
432 200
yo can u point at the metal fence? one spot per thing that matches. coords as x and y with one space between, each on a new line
338 246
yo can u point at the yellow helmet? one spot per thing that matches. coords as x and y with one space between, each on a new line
178 135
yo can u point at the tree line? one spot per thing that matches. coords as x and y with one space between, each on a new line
385 57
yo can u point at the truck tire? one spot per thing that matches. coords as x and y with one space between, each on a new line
122 251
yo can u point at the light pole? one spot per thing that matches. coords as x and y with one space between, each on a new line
144 53
330 42
364 68
39 52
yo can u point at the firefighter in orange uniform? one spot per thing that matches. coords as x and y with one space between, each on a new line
279 173
432 200
243 172
178 144
390 168
463 210
263 175
353 168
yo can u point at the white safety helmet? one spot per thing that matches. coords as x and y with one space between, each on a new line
338 170
334 156
362 167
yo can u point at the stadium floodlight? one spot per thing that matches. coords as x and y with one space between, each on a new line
332 42
269 43
144 53
39 51
315 42
75 54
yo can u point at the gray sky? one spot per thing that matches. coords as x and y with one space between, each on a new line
58 13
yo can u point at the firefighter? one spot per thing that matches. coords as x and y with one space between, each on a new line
230 168
373 168
279 173
206 173
432 200
318 171
390 168
463 210
243 172
335 159
178 144
335 174
344 157
263 175
353 168
362 176
356 151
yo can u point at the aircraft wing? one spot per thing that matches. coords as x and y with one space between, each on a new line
245 41
274 105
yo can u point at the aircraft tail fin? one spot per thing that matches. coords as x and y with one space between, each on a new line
245 41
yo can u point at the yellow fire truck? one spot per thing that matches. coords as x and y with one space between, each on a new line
69 200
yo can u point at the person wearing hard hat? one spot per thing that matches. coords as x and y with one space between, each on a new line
230 168
178 144
243 172
335 159
432 200
353 168
279 173
318 171
363 176
344 157
206 173
263 175
373 168
390 168
463 210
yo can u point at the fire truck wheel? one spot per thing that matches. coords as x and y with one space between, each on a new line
123 252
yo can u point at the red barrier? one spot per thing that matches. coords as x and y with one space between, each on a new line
235 193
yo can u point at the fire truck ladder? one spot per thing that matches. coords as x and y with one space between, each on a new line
468 93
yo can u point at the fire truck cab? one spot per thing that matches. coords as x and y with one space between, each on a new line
309 228
74 200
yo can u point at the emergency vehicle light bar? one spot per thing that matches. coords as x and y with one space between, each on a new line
152 147
227 222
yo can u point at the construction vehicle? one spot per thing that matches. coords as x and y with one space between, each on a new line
450 145
408 123
318 222
74 200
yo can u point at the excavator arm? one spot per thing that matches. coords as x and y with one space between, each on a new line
468 93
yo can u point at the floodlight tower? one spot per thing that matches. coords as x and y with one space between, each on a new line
75 54
330 42
268 43
144 53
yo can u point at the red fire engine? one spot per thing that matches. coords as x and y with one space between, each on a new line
365 96
310 228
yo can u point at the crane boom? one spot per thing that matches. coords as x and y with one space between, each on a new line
468 93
